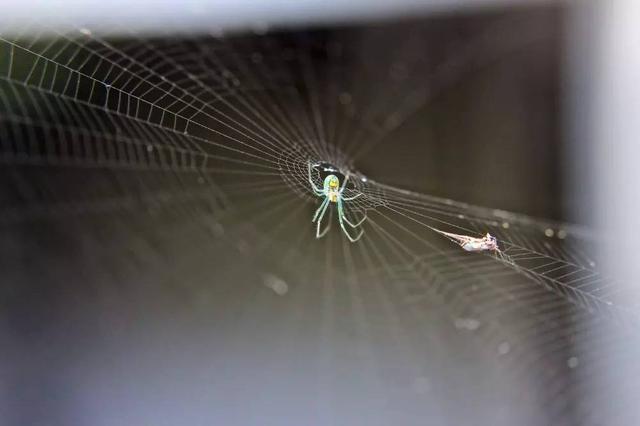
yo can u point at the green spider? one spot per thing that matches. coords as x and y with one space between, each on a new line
332 193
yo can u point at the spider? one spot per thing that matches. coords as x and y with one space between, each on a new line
332 193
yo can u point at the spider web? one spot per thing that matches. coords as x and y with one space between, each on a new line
203 142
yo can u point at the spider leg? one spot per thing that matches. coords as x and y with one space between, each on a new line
344 184
341 218
315 188
355 225
323 205
324 209
326 229
351 198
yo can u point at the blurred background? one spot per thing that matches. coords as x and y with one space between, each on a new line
159 264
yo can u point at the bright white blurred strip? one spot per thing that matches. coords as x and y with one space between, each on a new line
112 16
617 137
605 172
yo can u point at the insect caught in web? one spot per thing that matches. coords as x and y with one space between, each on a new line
332 192
476 244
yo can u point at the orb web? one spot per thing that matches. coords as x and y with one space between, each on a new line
208 128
